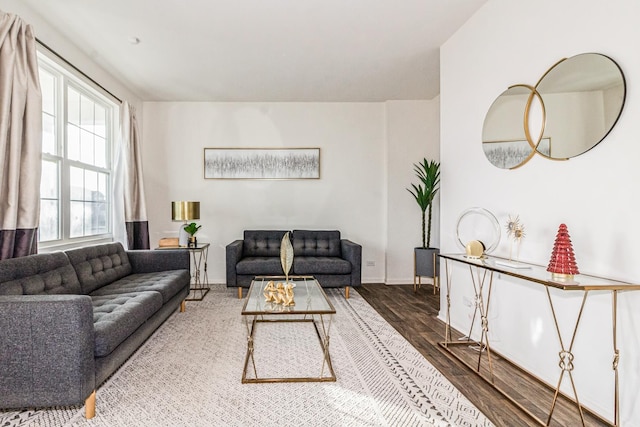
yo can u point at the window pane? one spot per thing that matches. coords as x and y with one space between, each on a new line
73 142
100 121
49 220
73 107
48 88
102 187
86 113
49 181
48 134
101 152
86 147
101 218
90 185
76 217
76 183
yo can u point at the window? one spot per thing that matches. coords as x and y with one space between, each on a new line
77 145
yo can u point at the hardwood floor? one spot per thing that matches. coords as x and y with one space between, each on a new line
414 315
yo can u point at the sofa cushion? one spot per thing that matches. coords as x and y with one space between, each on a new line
38 274
259 266
262 243
167 283
115 317
320 265
316 243
99 265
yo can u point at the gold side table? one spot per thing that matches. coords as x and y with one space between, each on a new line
199 278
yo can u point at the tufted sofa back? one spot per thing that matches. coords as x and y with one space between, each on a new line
316 243
37 275
100 265
262 243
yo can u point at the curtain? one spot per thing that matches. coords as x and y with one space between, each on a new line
135 210
20 138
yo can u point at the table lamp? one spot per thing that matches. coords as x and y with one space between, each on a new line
184 211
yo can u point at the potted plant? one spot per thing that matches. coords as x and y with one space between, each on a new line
428 172
192 229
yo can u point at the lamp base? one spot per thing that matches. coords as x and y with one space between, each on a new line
183 237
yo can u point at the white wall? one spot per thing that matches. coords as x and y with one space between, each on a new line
506 43
413 133
350 196
367 152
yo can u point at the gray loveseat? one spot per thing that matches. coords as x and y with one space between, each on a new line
68 320
334 261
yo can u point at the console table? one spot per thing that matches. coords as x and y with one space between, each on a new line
199 278
482 272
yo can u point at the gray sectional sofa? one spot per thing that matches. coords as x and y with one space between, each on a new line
68 320
333 261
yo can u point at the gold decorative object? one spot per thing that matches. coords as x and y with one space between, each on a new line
286 255
474 249
279 293
515 231
288 297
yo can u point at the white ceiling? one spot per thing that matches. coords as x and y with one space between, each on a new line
264 50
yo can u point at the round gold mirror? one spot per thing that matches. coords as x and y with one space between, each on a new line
583 98
571 109
507 140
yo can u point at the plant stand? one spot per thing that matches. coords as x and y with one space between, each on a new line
425 264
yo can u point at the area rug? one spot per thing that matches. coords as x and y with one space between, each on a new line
188 374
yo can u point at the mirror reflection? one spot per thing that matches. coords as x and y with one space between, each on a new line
504 137
583 98
572 108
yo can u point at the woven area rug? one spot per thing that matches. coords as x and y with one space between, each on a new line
188 374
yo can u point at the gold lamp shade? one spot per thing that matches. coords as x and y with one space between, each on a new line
185 211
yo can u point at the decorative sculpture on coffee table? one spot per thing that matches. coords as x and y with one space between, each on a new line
563 264
286 255
282 293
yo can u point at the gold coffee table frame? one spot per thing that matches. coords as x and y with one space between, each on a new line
311 306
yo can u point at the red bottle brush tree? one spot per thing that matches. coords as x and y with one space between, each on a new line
563 262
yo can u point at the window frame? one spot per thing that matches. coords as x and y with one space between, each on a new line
66 77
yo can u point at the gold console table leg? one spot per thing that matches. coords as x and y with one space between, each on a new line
566 357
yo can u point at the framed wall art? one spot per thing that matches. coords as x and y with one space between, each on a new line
262 163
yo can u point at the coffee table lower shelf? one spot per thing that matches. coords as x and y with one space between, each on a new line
323 338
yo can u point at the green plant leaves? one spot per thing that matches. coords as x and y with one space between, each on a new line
192 228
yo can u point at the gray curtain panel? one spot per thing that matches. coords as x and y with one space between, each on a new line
135 209
20 138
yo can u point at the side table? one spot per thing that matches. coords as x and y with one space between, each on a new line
199 278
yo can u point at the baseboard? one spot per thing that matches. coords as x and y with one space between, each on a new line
394 282
372 280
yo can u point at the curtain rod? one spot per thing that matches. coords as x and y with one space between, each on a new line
76 68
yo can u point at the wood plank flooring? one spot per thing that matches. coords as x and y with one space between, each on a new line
414 315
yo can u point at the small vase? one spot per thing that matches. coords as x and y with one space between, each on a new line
193 242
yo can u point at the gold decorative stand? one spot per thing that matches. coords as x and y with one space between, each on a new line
482 273
199 278
417 279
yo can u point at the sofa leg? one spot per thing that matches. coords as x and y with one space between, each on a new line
90 406
239 292
346 292
183 306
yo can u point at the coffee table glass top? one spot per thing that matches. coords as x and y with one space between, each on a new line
308 296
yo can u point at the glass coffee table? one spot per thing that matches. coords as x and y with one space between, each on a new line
311 307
